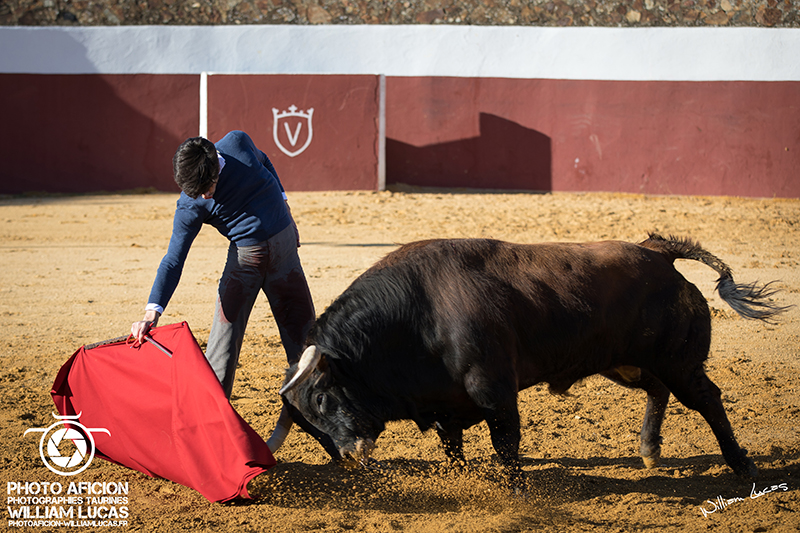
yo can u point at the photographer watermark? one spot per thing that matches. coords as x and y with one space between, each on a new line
720 503
66 448
47 504
67 429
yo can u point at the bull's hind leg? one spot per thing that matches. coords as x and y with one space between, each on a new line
657 400
696 391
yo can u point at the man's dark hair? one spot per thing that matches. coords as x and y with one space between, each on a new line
196 166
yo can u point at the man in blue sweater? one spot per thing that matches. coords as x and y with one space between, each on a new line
233 186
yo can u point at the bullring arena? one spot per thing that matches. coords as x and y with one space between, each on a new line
77 270
693 130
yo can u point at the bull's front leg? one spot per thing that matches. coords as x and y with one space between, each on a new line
504 429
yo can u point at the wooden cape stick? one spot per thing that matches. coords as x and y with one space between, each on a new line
115 340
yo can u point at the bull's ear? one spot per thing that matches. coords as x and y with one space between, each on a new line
308 362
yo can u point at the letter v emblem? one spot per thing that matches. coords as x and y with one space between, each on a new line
293 138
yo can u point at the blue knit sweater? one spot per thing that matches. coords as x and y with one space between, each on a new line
248 207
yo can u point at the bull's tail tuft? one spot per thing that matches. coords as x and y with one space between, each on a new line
749 300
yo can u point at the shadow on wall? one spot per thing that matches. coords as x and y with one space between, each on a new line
76 133
67 133
504 156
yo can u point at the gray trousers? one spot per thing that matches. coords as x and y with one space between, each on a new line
274 267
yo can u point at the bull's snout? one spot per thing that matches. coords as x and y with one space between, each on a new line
358 453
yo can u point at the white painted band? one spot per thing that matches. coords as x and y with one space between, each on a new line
636 54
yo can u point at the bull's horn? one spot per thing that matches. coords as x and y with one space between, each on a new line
281 430
308 361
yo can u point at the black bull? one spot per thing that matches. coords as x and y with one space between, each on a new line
447 332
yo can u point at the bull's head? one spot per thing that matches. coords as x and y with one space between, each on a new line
324 409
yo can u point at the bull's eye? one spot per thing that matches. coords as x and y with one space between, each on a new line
320 401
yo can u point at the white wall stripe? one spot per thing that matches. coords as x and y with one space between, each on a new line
381 132
203 132
638 54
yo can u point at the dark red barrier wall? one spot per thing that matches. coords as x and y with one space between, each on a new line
79 133
343 151
703 138
83 133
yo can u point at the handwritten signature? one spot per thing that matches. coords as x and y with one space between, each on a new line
721 503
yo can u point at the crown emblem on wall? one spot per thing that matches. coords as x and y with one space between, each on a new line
293 120
293 112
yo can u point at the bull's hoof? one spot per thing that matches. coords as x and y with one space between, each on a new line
746 467
517 484
373 464
519 489
652 460
459 465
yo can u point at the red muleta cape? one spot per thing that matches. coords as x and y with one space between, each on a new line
168 416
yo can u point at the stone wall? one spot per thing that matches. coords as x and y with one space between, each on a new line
633 13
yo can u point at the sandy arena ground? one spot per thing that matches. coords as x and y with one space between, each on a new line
78 269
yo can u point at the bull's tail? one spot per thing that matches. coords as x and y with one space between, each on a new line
749 300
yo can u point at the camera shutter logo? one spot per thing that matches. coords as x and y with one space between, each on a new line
67 428
293 122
